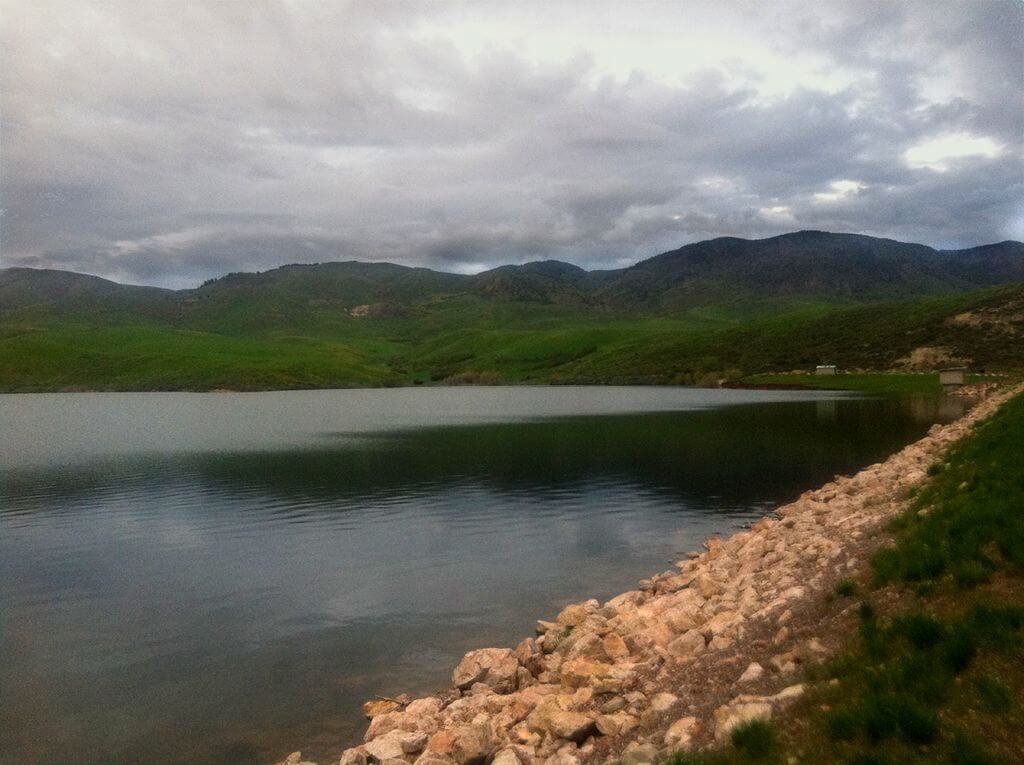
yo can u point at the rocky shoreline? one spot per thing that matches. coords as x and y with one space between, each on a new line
675 664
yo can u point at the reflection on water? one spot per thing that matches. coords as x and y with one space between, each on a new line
216 578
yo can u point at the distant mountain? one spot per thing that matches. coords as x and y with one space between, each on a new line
812 264
806 265
45 291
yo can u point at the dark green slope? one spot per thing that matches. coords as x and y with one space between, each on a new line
982 329
45 292
811 264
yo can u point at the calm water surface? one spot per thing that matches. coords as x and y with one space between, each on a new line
225 577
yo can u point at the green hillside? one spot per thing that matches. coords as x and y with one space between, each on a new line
509 343
720 309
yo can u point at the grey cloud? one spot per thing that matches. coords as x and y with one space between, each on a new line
173 142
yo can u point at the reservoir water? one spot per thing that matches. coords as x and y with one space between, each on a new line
222 578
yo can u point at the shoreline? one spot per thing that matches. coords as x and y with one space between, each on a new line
675 664
725 385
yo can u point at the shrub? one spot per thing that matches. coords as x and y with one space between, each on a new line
960 649
921 630
994 696
970 573
878 718
846 588
755 738
840 725
917 724
965 752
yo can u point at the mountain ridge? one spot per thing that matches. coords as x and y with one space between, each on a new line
822 264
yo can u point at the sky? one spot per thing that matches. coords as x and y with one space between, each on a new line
170 142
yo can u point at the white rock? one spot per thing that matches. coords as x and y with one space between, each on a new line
662 702
386 747
639 754
680 733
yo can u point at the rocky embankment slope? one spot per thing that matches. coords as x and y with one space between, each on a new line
679 662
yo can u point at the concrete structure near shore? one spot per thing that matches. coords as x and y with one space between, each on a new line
952 378
825 369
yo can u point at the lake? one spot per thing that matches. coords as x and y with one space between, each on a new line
222 578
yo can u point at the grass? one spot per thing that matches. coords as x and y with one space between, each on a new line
935 671
968 522
283 340
157 358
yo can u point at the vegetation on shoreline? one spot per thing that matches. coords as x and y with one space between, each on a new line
936 671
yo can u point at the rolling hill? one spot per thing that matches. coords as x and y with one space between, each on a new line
723 307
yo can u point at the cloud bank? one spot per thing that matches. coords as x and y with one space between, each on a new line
165 143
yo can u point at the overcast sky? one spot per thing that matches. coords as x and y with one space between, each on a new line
167 142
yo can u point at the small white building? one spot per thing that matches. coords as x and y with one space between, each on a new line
825 369
952 378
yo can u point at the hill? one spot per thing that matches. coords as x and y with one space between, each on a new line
719 308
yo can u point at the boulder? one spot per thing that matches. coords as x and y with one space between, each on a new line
354 756
572 615
386 747
384 723
583 671
707 586
618 724
680 733
414 742
754 671
784 663
589 646
529 656
688 644
721 623
790 694
506 756
719 643
662 702
640 754
469 744
626 601
552 716
615 647
422 714
684 618
494 667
